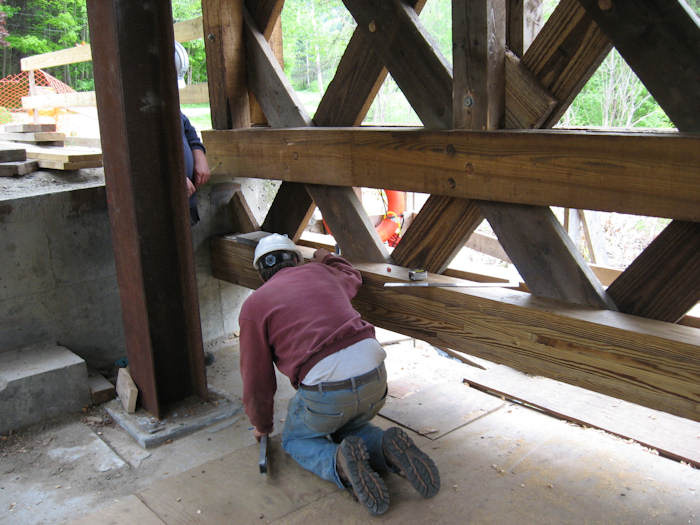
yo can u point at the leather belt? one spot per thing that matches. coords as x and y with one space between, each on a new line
346 384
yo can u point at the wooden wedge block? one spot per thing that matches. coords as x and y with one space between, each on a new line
11 153
127 390
101 390
29 128
17 168
34 137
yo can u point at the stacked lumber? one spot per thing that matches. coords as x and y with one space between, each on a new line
44 134
52 156
13 162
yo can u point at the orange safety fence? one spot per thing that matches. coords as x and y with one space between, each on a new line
14 87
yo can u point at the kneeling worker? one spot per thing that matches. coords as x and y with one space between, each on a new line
301 320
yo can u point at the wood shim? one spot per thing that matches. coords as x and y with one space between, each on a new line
18 167
126 390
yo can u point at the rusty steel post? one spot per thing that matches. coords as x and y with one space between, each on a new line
138 109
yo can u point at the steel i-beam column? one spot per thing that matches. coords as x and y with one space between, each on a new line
138 109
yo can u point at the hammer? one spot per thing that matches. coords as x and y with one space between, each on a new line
262 463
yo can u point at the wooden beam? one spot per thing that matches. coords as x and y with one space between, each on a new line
266 14
437 233
644 174
187 30
644 361
242 218
566 52
148 208
544 255
515 26
400 41
290 211
528 104
183 31
660 40
478 43
226 68
349 224
664 281
268 82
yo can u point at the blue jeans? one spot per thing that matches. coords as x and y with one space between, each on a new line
318 421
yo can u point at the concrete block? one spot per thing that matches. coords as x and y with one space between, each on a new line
101 390
40 382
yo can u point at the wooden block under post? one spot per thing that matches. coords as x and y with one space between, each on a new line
127 390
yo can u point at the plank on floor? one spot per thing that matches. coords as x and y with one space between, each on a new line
672 436
31 137
29 128
17 168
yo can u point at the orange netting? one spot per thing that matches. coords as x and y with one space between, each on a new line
14 87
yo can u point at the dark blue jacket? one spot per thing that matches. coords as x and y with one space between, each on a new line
190 141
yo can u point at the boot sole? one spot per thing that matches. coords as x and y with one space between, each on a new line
411 462
368 487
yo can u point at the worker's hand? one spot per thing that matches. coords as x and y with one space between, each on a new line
201 167
320 254
190 188
258 435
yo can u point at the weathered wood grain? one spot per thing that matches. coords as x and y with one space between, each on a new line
644 361
645 174
349 224
566 52
226 69
664 281
268 82
528 104
290 210
660 40
400 41
437 233
478 44
242 218
544 255
266 14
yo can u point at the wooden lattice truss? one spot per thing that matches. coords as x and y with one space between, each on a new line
569 327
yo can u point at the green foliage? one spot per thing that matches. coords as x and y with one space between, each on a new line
5 115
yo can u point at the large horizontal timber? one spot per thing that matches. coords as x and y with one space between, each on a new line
660 41
644 361
644 174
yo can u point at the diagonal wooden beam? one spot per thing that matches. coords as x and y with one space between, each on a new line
544 254
290 211
349 224
437 233
566 52
401 42
664 282
356 82
266 78
660 40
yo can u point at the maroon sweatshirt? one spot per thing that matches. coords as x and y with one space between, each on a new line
298 317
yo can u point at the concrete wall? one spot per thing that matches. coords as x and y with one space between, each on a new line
57 273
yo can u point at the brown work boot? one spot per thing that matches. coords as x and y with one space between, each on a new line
352 465
406 459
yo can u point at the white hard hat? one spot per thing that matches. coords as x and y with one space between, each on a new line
273 243
182 63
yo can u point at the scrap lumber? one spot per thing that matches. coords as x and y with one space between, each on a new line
641 360
63 157
34 137
17 168
29 128
10 152
641 173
